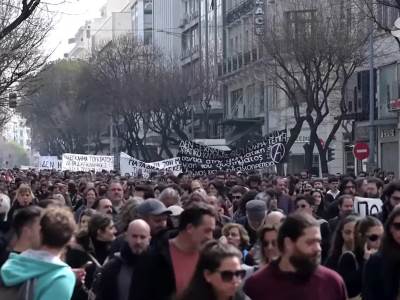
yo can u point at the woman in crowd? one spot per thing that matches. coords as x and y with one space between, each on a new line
91 249
23 198
237 236
382 270
84 219
89 198
367 239
217 189
319 203
218 274
343 241
269 245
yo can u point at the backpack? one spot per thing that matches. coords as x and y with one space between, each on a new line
23 291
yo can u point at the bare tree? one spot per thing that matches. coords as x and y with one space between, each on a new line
313 48
23 28
375 10
58 109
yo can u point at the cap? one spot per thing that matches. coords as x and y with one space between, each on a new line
152 207
175 210
256 209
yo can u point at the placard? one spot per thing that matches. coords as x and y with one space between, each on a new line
49 163
87 163
203 160
367 206
135 167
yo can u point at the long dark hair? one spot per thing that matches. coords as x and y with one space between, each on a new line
360 231
211 256
337 239
390 248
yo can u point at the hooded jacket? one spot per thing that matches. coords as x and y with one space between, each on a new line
54 278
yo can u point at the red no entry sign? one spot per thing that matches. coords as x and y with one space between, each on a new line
361 151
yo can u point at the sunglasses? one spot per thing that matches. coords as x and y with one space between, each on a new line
373 237
227 276
267 243
396 226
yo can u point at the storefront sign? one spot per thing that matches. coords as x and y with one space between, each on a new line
387 133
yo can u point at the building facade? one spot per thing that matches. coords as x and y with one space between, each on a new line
253 104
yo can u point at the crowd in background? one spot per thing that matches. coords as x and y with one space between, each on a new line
223 236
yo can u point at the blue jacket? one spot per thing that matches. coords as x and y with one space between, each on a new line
54 278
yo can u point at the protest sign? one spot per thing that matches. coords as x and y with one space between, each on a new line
87 163
135 167
367 206
49 163
202 160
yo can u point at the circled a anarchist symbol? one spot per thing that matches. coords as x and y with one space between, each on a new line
277 152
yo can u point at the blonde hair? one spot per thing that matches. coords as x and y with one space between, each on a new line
23 188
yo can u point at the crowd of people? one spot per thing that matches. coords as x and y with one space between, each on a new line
226 236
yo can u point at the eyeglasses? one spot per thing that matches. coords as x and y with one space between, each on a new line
267 243
373 237
396 226
227 276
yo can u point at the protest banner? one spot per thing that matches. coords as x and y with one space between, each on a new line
49 163
87 163
367 206
135 167
203 160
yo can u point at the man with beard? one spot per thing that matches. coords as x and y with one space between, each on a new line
116 275
346 207
347 187
374 188
297 274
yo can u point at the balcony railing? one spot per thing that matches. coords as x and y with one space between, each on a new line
190 51
238 61
243 8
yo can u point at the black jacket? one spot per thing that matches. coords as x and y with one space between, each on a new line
381 279
109 280
154 276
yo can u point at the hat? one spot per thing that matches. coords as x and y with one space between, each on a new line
152 207
175 210
256 209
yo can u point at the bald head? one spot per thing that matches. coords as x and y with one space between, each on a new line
138 236
274 218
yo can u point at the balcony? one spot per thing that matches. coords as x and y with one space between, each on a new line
243 8
189 52
238 61
189 20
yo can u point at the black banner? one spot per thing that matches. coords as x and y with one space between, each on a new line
203 160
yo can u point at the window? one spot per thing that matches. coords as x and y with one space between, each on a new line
236 99
387 15
300 24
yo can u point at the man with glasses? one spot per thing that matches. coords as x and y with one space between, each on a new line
297 274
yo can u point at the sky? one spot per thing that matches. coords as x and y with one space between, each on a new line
70 15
